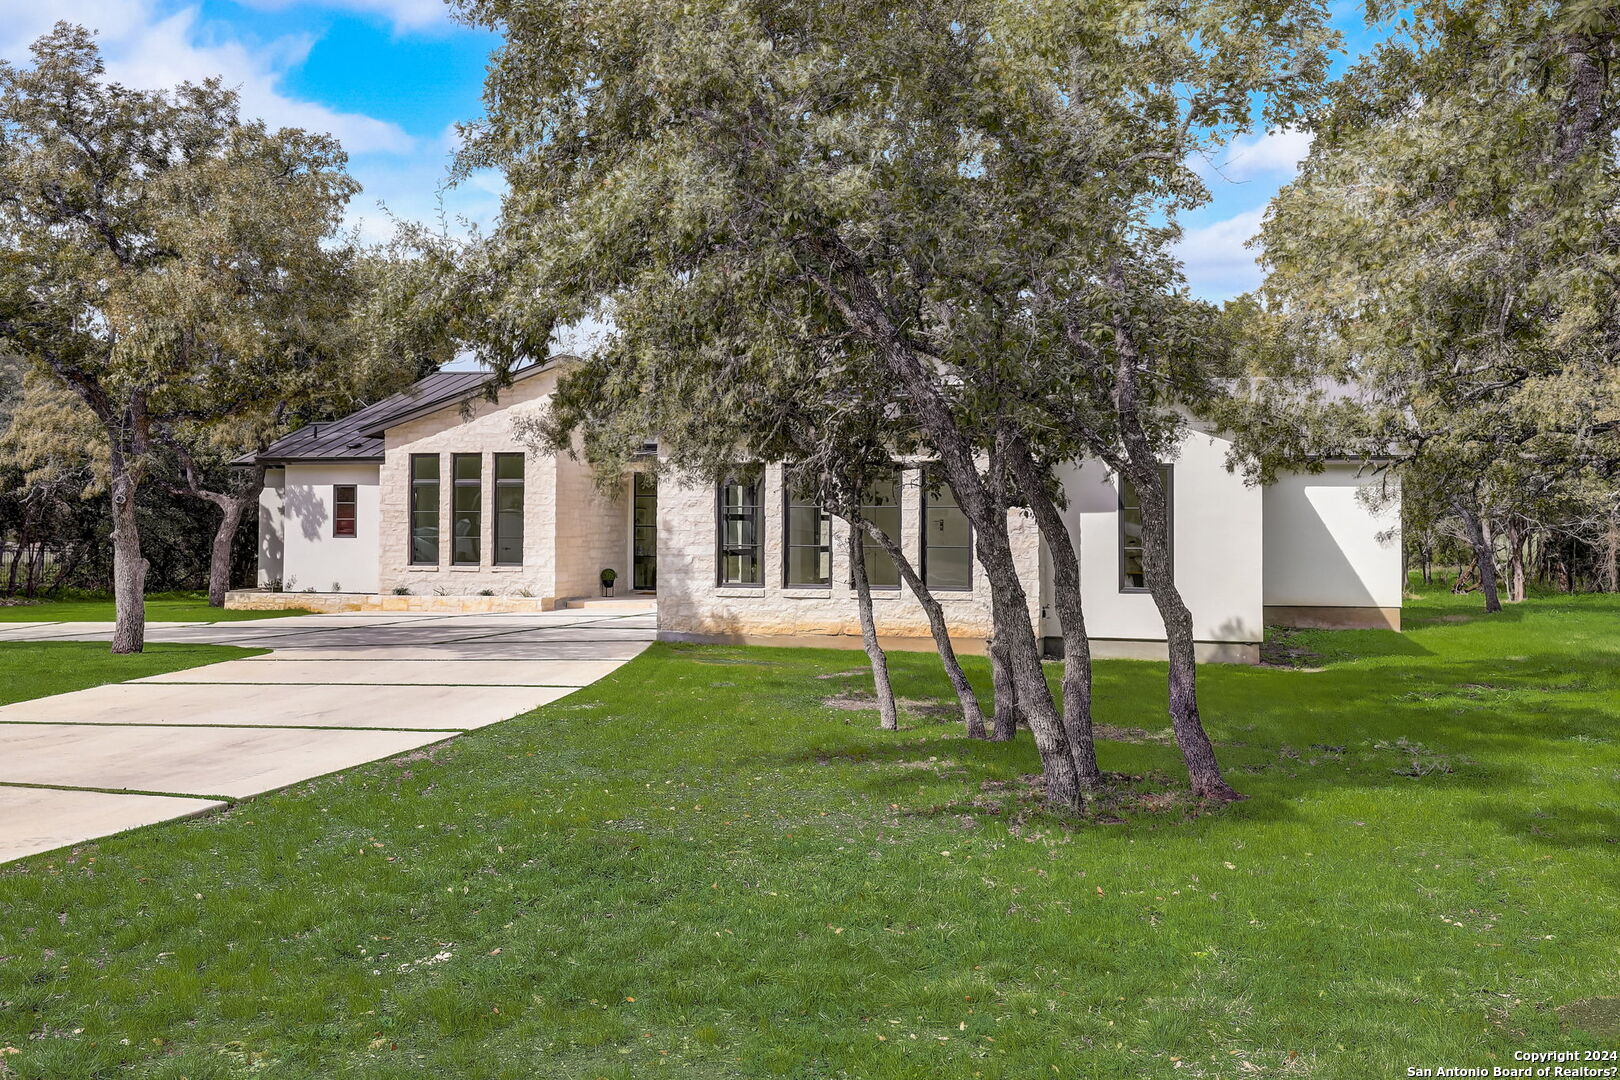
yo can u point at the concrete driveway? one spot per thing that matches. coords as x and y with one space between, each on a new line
336 691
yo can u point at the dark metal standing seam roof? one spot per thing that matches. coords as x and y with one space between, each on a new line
359 436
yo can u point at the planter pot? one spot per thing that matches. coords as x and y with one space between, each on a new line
607 590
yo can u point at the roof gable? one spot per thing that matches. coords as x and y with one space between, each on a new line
359 436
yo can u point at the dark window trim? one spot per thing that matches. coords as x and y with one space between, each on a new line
458 482
637 480
354 511
922 521
868 544
1170 515
758 484
787 538
438 508
496 483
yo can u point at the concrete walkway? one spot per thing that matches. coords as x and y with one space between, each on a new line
336 691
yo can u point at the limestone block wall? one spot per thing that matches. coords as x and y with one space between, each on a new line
485 428
593 532
693 606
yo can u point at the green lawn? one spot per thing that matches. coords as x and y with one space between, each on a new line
33 669
698 868
160 607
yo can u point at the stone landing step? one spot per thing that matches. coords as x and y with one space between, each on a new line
612 604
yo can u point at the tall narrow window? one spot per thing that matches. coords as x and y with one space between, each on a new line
343 510
741 533
1132 574
466 517
880 504
947 537
425 509
807 540
509 509
644 533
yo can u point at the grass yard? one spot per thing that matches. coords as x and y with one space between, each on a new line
160 607
34 669
699 868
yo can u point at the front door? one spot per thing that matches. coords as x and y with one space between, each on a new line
644 534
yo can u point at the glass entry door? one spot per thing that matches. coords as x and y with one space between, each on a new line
644 534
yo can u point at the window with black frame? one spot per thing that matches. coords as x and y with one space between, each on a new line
1132 573
880 505
947 550
644 533
509 509
807 536
466 508
425 509
742 533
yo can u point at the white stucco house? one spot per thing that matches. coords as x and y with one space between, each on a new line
428 499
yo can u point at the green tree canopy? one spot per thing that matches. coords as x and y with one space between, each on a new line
1450 246
170 262
730 181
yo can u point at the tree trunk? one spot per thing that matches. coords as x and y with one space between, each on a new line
1196 749
64 569
972 714
232 508
1484 552
1611 553
860 302
1515 543
1005 715
16 561
1071 616
129 565
36 568
1142 466
889 720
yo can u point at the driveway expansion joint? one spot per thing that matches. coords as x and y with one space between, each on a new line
126 755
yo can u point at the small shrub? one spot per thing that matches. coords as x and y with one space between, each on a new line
402 590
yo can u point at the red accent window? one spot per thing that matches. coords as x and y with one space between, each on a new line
343 510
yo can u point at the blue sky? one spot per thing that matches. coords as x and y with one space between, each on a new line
390 78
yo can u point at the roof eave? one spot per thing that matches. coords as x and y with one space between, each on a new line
315 460
446 400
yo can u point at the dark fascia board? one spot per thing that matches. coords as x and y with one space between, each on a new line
433 405
282 462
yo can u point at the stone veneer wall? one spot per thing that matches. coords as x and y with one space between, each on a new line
691 605
593 532
487 431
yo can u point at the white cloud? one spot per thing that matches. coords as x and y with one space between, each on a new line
148 47
410 189
1217 263
1272 155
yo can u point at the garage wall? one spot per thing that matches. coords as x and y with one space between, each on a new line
272 546
1333 549
1217 547
312 557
